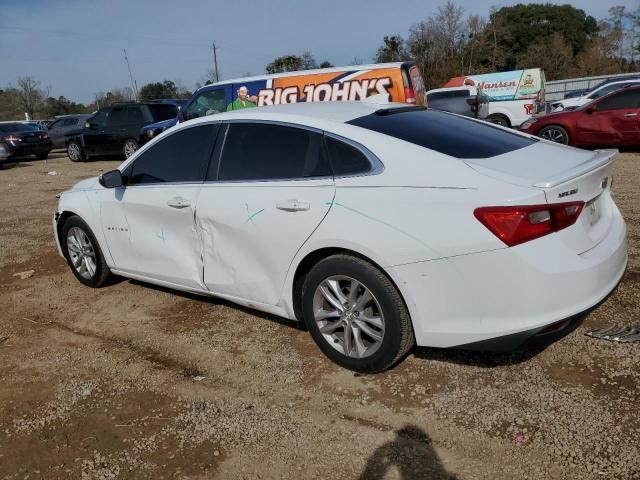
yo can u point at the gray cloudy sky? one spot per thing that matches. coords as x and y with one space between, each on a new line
75 46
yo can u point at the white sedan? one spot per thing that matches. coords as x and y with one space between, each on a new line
379 227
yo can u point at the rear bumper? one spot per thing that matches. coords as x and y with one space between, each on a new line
21 150
502 297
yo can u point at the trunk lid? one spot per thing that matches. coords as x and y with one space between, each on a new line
564 174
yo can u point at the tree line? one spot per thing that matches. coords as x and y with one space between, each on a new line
561 39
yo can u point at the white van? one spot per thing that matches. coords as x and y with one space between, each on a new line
513 96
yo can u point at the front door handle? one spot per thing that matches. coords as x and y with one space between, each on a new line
293 205
179 202
630 114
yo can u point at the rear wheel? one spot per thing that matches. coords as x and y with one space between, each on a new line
555 133
75 153
499 119
355 314
130 147
83 253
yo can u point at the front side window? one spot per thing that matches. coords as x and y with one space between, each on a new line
118 116
180 157
624 100
69 122
606 90
57 124
161 111
207 103
261 151
100 118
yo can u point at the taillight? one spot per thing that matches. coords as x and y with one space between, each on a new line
519 224
11 138
409 95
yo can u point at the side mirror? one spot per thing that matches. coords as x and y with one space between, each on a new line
590 110
181 115
88 125
111 179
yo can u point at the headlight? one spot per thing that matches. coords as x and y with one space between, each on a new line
527 123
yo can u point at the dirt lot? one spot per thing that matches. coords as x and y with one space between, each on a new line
133 381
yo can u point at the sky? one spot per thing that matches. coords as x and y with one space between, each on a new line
75 47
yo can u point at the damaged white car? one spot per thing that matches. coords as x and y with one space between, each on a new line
380 227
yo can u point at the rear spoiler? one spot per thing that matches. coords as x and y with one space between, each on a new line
601 158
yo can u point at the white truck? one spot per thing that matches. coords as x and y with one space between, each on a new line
513 96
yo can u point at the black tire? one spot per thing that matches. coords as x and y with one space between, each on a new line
102 272
398 337
75 152
42 156
499 119
129 147
554 133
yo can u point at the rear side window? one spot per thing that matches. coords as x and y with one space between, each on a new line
346 159
134 115
118 117
163 111
180 157
444 95
443 132
260 151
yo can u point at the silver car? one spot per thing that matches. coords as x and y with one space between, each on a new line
63 124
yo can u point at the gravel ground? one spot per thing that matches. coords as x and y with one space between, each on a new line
134 381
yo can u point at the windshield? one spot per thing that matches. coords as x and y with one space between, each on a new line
163 111
17 127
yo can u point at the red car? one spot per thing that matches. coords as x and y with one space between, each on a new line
611 121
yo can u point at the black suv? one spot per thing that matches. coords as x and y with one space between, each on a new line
115 129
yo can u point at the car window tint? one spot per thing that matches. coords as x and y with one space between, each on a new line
162 111
443 132
134 115
346 159
622 100
444 95
56 124
118 116
68 122
207 103
100 118
180 157
254 151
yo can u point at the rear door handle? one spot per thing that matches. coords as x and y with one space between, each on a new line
179 202
630 114
293 205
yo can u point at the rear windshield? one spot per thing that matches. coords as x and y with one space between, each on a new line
163 111
450 94
17 127
443 132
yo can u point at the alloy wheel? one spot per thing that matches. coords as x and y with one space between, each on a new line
130 148
348 316
554 134
73 150
81 252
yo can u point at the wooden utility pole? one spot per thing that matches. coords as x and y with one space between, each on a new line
215 62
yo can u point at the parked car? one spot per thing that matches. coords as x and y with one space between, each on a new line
400 80
611 121
21 139
596 92
513 96
467 101
379 226
63 124
115 129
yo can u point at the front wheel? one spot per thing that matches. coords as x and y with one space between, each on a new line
355 314
498 119
83 253
130 147
555 133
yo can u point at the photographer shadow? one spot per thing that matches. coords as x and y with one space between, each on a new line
410 454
